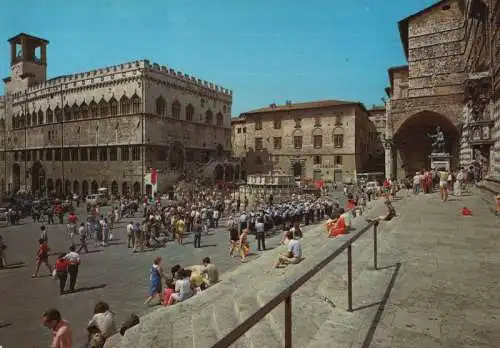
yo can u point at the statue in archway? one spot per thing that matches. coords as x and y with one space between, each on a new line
438 141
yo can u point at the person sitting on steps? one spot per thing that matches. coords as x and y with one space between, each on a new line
391 213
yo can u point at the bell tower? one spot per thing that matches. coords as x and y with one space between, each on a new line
28 60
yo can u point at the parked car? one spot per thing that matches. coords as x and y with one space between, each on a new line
96 199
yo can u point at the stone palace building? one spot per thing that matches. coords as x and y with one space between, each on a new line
107 127
327 140
452 80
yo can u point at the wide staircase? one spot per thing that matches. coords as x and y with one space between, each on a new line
319 315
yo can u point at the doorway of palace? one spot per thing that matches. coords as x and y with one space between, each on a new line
229 173
85 188
219 150
37 178
59 186
67 187
16 177
219 173
137 188
94 187
76 187
114 188
413 142
50 185
297 169
125 188
176 157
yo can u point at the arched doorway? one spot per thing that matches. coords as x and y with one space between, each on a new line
219 173
16 177
67 187
229 173
76 187
297 169
176 157
412 144
59 186
137 188
37 178
85 188
114 188
94 187
124 188
50 185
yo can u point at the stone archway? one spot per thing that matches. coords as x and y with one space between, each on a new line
59 186
125 188
37 178
228 173
50 185
176 156
94 187
412 144
16 177
219 173
67 187
137 188
76 187
85 187
114 188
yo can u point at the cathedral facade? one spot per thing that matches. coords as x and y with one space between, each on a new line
106 127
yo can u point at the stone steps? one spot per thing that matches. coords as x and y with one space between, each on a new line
204 319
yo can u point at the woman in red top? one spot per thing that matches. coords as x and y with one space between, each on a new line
42 256
62 265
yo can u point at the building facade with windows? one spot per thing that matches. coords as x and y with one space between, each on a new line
106 127
329 140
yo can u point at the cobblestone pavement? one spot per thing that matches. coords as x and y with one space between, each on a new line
112 274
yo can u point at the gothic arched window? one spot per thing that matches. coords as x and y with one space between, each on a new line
124 105
189 112
209 116
176 109
160 106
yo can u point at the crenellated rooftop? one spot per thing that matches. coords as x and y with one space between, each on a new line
107 72
192 79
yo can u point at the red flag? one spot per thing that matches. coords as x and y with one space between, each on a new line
154 176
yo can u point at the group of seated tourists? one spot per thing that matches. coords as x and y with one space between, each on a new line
189 281
340 223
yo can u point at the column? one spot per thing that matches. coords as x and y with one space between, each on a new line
388 161
13 54
43 54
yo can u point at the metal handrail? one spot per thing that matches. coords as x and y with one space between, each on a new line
286 295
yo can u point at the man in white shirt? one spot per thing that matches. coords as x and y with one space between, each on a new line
130 235
293 255
74 263
416 183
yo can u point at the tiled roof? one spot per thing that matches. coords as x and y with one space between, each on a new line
304 106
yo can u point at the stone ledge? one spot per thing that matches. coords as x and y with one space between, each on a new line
202 320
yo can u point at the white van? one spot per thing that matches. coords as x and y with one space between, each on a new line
96 199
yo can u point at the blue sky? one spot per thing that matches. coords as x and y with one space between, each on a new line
264 50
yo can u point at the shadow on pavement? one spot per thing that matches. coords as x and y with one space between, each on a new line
208 245
4 325
14 265
87 288
381 305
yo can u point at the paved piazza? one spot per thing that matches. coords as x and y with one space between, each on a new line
112 274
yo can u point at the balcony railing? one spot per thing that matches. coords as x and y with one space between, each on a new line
286 295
